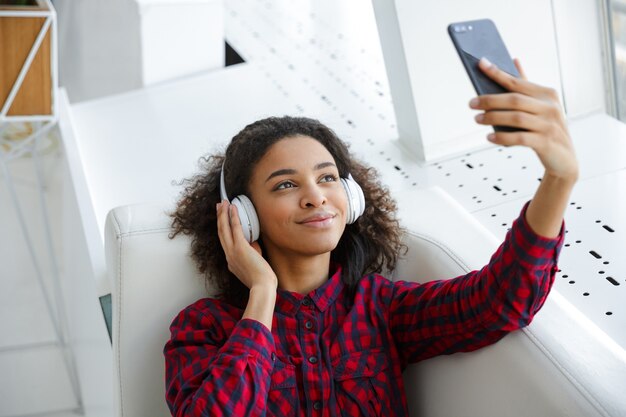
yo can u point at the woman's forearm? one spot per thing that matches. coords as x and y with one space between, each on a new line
261 304
545 212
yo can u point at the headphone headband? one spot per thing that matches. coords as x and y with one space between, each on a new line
223 194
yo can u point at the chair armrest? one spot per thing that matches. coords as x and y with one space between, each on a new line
152 279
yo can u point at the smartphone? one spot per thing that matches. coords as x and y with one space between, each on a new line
476 39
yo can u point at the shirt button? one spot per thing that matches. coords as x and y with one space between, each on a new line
313 359
306 302
308 325
273 356
317 405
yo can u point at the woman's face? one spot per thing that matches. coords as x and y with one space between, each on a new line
299 198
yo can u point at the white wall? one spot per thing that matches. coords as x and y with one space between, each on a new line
113 46
99 53
557 41
578 28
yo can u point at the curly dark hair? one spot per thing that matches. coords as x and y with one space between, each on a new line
370 244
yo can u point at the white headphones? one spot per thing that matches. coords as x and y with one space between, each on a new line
250 220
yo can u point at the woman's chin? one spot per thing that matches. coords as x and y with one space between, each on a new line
316 245
308 244
319 248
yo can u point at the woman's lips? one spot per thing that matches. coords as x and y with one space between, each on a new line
318 221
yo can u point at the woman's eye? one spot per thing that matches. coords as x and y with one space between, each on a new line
329 178
284 185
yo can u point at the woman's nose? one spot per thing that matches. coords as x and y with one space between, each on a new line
313 196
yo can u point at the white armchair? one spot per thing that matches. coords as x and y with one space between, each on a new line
558 366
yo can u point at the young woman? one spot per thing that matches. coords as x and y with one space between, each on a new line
302 323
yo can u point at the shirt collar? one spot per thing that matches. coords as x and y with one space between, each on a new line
288 302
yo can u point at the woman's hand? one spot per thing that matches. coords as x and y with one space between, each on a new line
244 259
534 108
537 109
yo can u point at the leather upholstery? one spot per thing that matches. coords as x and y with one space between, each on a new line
560 365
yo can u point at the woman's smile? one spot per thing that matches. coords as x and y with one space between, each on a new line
318 220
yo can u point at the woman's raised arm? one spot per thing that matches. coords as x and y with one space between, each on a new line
537 110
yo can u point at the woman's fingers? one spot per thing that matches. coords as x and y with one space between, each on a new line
514 101
223 226
235 226
518 119
244 260
530 139
229 226
535 109
509 82
228 234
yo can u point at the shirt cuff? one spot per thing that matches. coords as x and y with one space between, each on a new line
534 249
252 337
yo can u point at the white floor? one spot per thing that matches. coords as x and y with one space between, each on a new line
35 378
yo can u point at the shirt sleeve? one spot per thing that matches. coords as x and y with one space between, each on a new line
474 310
206 375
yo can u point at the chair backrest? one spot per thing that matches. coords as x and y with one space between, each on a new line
530 372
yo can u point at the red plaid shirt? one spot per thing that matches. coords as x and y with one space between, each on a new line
328 355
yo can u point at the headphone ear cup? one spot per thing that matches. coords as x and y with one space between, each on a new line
356 199
248 217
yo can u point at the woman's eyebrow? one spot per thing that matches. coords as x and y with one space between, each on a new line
323 165
291 171
286 171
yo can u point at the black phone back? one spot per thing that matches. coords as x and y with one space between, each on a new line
476 39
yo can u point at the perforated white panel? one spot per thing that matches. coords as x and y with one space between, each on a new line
325 62
592 263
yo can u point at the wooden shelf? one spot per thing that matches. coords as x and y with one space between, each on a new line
18 35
